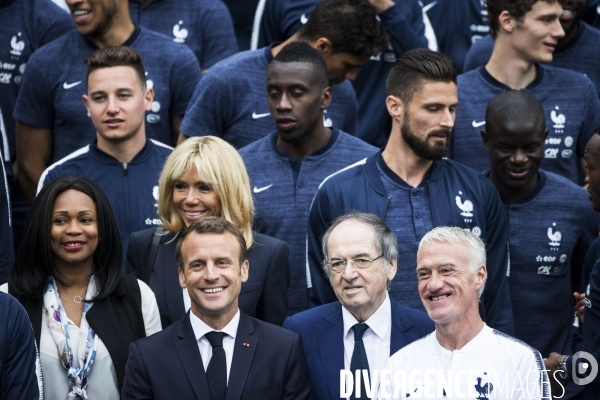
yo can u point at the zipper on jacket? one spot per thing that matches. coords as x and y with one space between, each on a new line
125 169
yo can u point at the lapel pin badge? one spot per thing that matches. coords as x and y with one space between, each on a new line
246 345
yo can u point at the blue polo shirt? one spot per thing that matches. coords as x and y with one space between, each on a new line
575 56
131 188
457 25
571 108
550 232
231 101
408 215
203 25
51 91
283 189
403 23
25 25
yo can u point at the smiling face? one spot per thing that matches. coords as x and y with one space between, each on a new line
360 291
516 151
296 99
592 166
194 199
116 103
93 17
212 274
74 232
448 289
429 118
572 11
536 35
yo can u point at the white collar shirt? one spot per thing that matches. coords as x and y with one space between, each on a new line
201 328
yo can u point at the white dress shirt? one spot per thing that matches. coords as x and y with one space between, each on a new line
201 329
102 380
376 339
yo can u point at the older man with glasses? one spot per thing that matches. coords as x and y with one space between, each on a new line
365 326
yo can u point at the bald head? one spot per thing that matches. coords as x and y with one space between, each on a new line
515 111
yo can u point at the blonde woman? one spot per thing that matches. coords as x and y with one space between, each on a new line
205 176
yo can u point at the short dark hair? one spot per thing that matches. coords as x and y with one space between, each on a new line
214 225
413 68
116 56
386 241
352 27
304 53
516 8
514 105
34 263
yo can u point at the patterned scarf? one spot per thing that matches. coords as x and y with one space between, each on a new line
58 324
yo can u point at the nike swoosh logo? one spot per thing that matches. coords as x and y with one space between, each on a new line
70 85
303 19
478 124
429 6
262 189
257 116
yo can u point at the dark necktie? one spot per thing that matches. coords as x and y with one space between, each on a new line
359 359
216 373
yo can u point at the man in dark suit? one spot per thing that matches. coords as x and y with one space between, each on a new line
242 357
365 326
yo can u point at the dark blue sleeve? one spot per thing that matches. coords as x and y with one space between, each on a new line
346 91
136 384
272 305
56 22
282 18
218 35
18 378
210 107
185 74
479 53
592 119
404 25
319 218
34 103
496 297
7 255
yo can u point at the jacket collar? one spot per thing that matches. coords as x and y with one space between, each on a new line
106 158
374 177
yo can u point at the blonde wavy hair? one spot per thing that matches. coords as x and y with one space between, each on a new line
221 168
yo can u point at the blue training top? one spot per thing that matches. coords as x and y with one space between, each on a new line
25 25
550 232
231 101
203 25
51 91
283 190
457 25
571 108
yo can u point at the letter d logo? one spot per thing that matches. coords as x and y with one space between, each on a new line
581 363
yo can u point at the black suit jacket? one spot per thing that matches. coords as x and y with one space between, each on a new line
268 363
263 295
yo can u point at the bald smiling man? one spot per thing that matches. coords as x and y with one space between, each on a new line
551 224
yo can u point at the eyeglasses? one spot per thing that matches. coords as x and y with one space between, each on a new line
338 265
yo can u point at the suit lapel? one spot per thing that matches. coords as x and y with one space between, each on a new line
174 293
189 354
330 334
401 322
243 354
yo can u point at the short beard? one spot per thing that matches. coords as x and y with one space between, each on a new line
421 147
